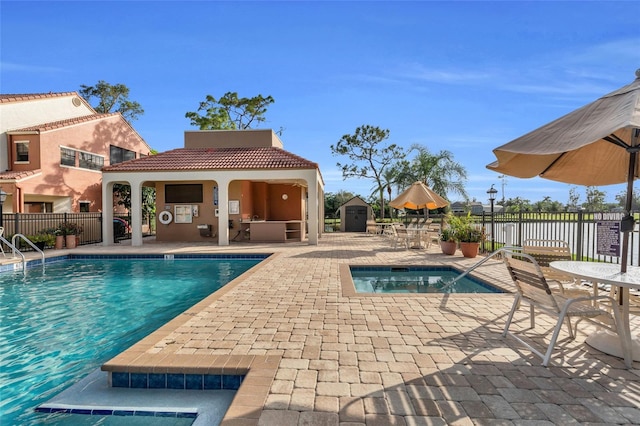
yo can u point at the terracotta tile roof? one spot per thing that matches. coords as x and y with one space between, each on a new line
62 123
32 96
16 176
266 158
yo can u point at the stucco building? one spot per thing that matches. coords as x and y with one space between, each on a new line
52 149
223 186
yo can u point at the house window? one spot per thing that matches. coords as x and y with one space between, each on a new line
84 206
67 157
90 161
86 160
38 207
22 151
119 155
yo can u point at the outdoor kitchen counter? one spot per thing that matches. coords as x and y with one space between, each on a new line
273 231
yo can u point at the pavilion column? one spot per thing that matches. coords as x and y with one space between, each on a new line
136 214
223 211
313 211
320 211
107 213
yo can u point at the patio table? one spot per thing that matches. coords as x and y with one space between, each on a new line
624 345
419 236
382 228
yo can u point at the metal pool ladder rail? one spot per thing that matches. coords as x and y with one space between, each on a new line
471 268
15 250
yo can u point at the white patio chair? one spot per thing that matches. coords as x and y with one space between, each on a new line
400 235
372 227
432 234
547 251
532 288
2 235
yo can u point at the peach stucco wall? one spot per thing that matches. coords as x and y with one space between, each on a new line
249 138
187 231
34 110
257 199
78 184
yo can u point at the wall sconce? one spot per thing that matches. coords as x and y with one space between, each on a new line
285 196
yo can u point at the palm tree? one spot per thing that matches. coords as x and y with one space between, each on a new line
388 179
440 172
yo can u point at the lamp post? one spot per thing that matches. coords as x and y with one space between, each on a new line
492 197
504 178
3 197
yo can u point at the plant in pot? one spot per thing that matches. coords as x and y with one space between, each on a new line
42 240
448 243
70 230
467 233
59 239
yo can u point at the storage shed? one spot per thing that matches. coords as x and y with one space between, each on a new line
354 215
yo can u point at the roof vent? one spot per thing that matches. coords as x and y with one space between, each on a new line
76 102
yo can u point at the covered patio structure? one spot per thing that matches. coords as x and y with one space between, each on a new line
219 186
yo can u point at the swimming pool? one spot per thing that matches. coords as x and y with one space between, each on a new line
59 324
415 279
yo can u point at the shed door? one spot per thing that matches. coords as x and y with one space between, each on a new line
356 219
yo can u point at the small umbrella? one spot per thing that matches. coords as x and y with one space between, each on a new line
597 144
418 196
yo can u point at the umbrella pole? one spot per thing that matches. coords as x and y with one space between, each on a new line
633 154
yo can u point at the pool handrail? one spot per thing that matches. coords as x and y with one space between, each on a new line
28 241
472 267
14 249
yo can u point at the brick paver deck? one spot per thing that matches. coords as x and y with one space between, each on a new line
318 354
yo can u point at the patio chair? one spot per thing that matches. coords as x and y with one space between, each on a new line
634 298
433 234
547 251
532 288
413 223
372 227
425 222
400 235
1 235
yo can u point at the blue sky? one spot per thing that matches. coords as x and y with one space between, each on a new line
462 76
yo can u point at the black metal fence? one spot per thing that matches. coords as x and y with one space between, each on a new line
578 229
30 224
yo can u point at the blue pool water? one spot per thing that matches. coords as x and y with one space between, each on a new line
415 279
59 325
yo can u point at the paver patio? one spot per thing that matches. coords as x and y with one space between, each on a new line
315 354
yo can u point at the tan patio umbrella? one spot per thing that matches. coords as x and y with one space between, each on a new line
597 144
418 196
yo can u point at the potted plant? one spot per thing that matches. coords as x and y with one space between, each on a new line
448 243
70 230
59 239
42 240
467 233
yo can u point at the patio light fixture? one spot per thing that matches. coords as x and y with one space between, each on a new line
492 197
3 197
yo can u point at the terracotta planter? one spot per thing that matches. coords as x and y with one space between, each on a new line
448 247
59 242
469 249
70 241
